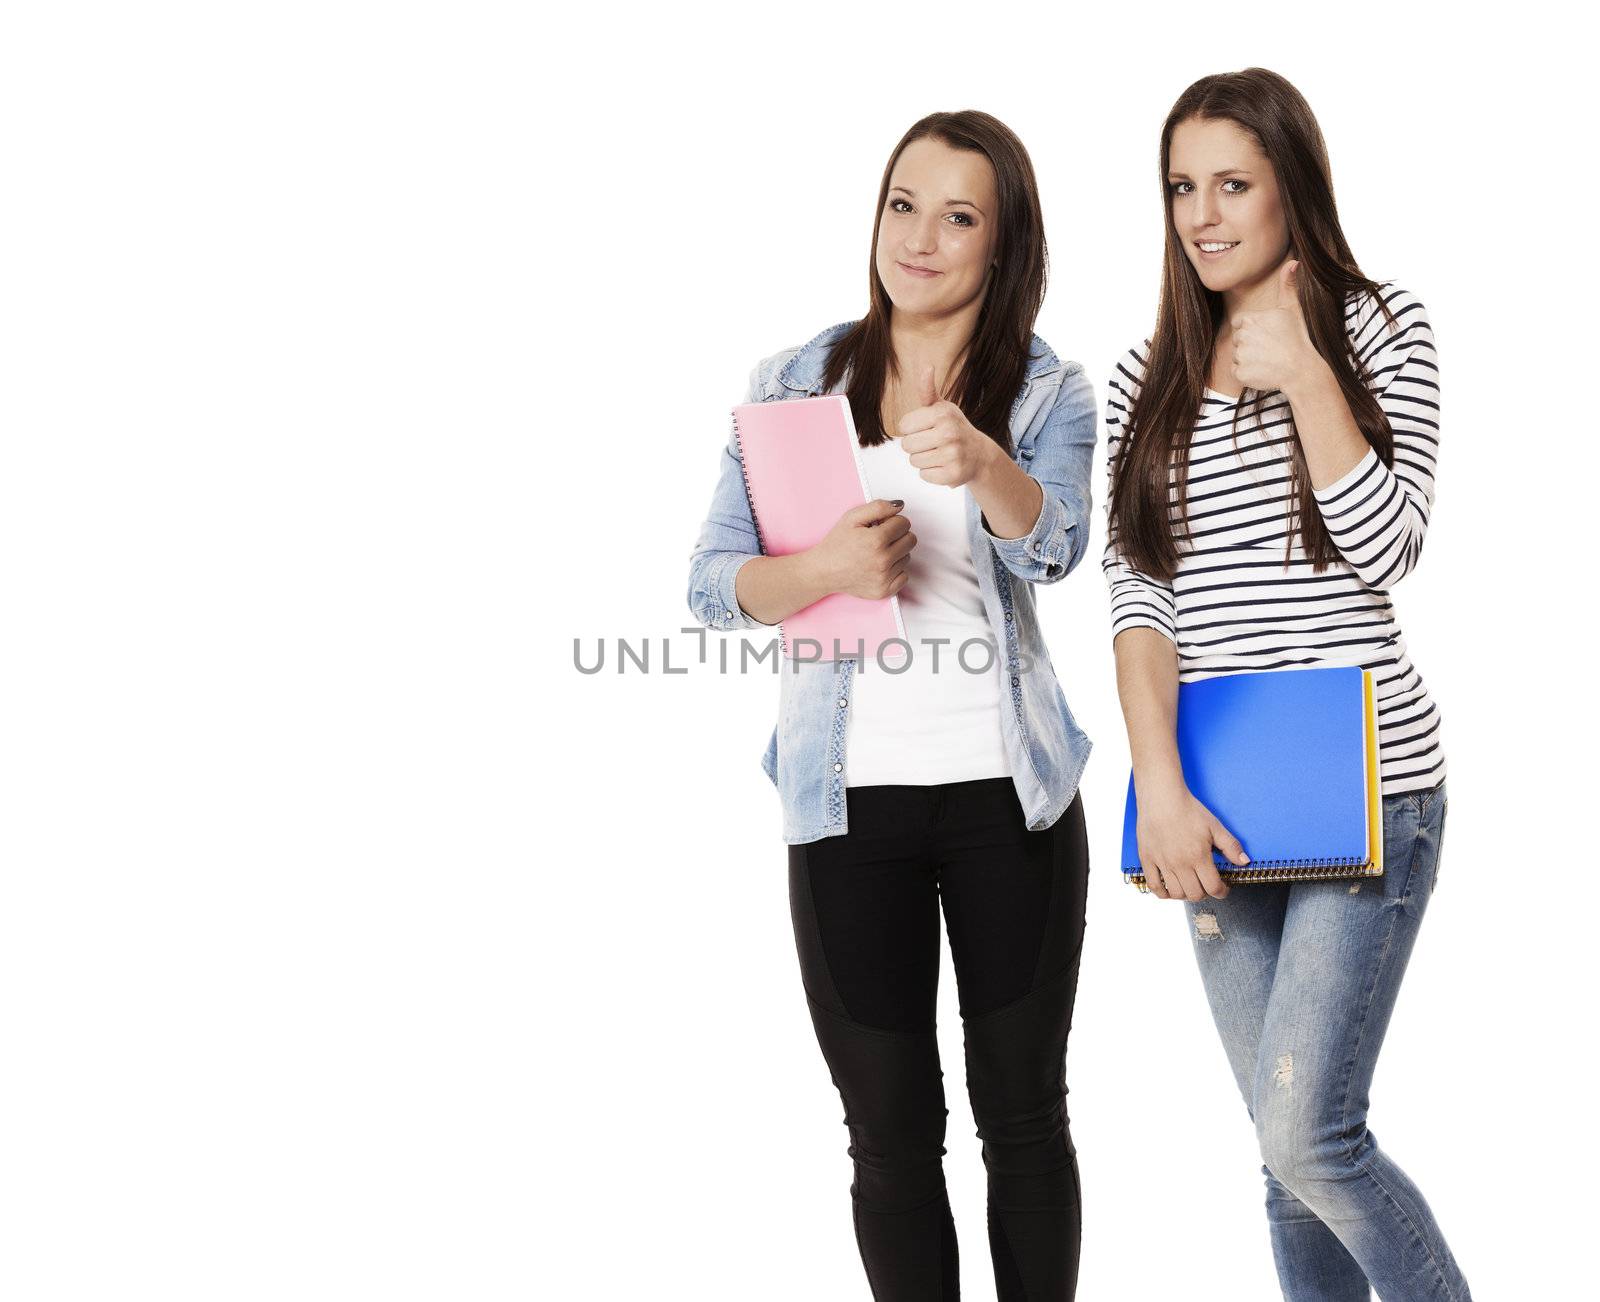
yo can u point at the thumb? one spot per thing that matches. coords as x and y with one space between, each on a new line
874 512
1289 285
930 391
1225 841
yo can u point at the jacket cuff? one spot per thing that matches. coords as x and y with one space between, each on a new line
1041 554
727 613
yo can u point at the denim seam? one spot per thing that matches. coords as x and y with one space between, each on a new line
1344 1107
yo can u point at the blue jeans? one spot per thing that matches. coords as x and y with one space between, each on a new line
1302 978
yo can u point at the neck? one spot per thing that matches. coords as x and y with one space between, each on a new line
1254 297
937 341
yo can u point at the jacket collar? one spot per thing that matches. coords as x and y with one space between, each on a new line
803 374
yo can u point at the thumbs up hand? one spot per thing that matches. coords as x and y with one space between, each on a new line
941 442
1271 348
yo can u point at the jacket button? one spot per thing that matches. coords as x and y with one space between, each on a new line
843 702
838 768
1008 616
1016 682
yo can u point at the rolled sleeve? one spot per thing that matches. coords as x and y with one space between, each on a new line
1376 514
727 540
1139 601
1063 456
724 610
1042 554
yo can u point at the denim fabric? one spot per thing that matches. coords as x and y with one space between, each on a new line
1053 429
1302 979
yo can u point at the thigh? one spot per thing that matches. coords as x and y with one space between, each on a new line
1236 942
1014 900
1346 946
865 907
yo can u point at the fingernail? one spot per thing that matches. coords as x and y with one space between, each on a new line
1243 857
896 501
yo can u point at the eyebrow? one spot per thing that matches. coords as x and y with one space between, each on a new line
1227 171
967 203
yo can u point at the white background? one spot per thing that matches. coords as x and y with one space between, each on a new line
357 359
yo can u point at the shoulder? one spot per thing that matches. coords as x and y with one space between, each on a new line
1128 374
1045 370
1366 317
796 368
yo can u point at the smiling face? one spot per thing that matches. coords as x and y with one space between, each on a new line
1226 206
938 229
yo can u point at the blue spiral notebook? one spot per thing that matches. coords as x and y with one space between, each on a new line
1288 760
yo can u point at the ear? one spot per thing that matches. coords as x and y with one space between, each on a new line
930 391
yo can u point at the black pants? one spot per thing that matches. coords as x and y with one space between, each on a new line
866 923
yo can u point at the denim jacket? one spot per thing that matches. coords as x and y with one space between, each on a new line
1053 427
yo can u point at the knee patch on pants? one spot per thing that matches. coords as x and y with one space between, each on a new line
893 1093
1016 1077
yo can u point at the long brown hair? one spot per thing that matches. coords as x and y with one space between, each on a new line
1179 363
997 356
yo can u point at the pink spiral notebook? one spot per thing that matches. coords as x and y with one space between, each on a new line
802 471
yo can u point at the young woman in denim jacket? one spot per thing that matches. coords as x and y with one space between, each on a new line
956 781
1300 494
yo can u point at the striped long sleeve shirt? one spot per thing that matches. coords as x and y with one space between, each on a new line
1235 607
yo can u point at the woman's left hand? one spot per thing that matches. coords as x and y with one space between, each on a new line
1271 347
941 442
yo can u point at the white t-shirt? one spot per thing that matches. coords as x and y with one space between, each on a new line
924 719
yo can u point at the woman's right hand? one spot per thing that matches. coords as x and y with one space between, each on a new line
1176 834
865 553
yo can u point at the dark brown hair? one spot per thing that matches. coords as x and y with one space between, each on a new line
1179 362
997 355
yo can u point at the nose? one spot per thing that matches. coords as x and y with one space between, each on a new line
923 237
1204 210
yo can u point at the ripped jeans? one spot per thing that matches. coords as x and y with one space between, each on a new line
1302 979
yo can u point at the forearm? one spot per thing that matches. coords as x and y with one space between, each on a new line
1147 684
1329 436
771 588
1375 517
1009 497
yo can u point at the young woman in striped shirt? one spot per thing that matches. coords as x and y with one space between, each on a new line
1272 452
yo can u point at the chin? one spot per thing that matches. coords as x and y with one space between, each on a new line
1218 284
921 304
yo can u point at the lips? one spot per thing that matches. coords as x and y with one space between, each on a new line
912 270
1215 248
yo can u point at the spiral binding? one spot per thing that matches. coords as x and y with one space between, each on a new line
745 471
754 518
1290 870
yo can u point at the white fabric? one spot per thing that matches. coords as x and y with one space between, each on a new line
921 724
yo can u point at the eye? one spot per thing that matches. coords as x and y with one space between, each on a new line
1234 180
1180 187
965 220
895 205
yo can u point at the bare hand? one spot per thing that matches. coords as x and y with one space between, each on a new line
1176 834
942 443
1272 349
866 553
